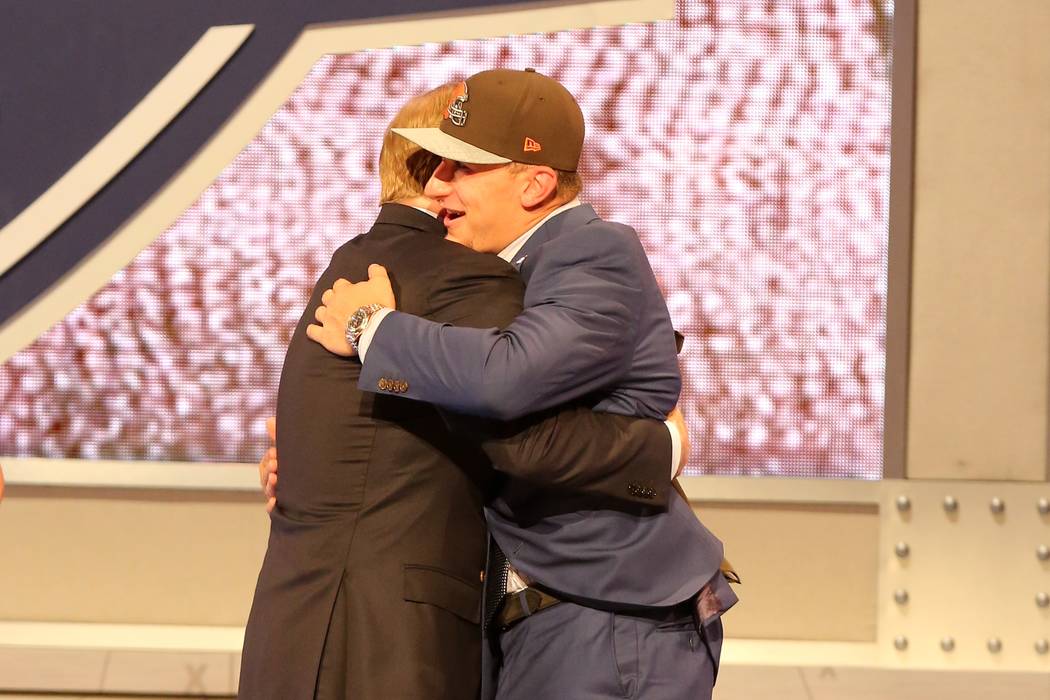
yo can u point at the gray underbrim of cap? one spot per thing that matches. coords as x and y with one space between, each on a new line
439 143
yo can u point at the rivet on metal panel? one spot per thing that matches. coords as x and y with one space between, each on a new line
995 645
996 505
901 596
1042 599
948 643
1043 506
902 549
1042 646
903 503
1042 552
900 642
950 504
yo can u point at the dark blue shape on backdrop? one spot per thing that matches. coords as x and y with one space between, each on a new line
72 69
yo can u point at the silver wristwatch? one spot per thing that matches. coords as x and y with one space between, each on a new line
358 322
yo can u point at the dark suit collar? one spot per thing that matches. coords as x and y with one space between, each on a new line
409 217
552 228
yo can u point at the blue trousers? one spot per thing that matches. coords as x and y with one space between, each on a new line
569 652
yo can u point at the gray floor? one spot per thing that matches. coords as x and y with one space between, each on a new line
777 683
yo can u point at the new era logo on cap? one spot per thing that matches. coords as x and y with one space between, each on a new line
531 145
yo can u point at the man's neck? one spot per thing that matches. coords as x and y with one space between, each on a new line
538 215
511 249
422 203
529 220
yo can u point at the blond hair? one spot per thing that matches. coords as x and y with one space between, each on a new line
404 167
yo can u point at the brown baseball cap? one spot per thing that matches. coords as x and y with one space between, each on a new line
500 116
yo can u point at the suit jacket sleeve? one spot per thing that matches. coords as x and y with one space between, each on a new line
579 449
572 447
574 337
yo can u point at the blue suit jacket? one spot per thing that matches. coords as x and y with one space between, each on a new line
595 327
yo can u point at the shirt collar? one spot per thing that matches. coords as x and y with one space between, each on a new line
425 211
518 243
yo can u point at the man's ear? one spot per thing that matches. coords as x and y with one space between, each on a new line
540 186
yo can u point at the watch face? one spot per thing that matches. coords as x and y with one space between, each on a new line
355 326
356 320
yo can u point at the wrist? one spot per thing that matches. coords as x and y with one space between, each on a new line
676 447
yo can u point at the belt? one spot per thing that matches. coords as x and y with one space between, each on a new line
520 604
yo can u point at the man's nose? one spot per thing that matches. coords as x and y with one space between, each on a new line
438 184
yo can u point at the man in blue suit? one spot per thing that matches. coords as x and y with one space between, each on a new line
598 600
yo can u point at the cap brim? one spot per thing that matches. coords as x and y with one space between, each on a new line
439 143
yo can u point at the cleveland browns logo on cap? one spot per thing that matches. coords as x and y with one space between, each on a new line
455 112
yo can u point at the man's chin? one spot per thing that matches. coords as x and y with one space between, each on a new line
457 239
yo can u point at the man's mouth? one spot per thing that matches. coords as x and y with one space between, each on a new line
450 215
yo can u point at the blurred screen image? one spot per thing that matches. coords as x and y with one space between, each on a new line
746 141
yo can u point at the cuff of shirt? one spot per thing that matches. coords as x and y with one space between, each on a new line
676 443
373 326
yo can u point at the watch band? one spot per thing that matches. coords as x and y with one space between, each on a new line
358 323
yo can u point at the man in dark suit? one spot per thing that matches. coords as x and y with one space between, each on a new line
599 601
370 586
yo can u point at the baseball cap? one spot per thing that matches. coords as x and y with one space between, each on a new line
500 116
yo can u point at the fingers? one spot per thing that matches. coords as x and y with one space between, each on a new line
320 314
268 467
340 283
271 428
271 504
383 291
677 418
271 486
326 298
686 447
334 341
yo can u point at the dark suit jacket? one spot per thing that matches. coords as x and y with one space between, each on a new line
595 326
370 585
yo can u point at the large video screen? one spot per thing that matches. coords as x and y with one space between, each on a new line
747 141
